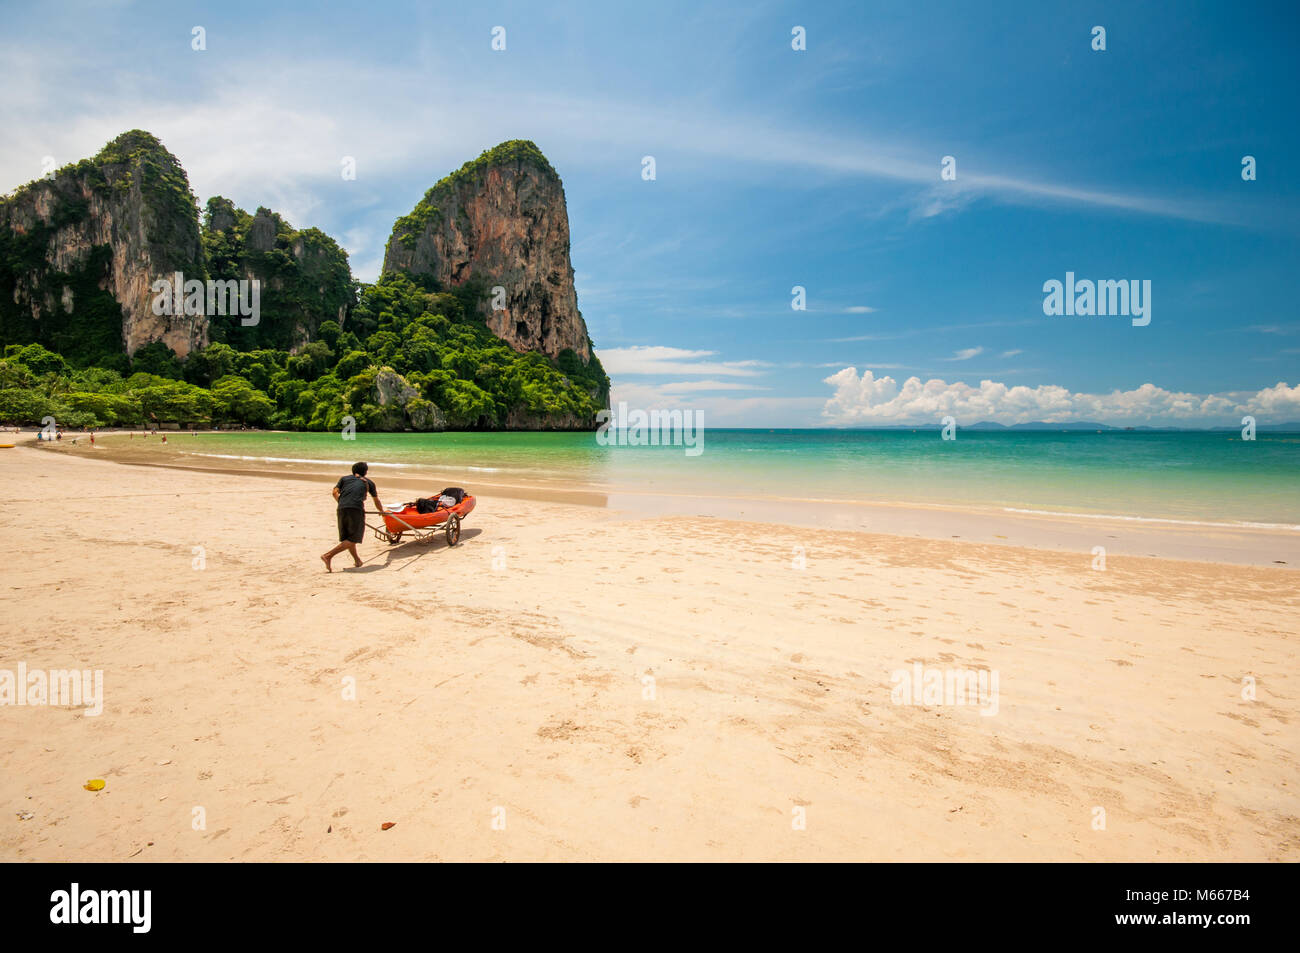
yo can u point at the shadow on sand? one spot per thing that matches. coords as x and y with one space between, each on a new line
409 552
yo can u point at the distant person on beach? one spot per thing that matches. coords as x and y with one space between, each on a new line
351 492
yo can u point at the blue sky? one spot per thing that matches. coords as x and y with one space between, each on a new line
775 168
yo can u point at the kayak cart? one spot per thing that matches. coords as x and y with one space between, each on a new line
424 526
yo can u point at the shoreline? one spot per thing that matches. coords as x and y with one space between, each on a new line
1274 545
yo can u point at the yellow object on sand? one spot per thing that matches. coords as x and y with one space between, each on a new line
6 446
95 785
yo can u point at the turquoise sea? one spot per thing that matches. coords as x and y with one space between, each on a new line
1195 477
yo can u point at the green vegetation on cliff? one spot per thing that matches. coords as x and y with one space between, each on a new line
429 364
139 156
77 317
304 275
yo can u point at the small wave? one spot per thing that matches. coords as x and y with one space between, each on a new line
341 463
1221 524
333 463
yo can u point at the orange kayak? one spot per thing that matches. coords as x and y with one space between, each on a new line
409 517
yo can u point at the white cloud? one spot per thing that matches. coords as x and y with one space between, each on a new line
866 399
965 354
874 367
859 309
1012 353
691 387
864 337
672 361
941 199
719 410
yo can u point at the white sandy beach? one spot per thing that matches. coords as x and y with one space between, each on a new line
508 678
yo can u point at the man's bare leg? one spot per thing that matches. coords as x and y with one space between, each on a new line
326 557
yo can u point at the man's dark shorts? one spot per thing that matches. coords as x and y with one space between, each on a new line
352 525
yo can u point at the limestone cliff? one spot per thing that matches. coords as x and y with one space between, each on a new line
304 275
80 249
500 220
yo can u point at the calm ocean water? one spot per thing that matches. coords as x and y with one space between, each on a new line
1180 476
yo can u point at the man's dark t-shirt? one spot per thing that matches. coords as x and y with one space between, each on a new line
352 491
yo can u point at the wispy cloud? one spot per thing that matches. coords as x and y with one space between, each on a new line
302 128
965 354
940 199
673 361
721 409
874 367
691 387
864 337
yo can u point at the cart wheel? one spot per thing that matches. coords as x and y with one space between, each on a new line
394 538
453 530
